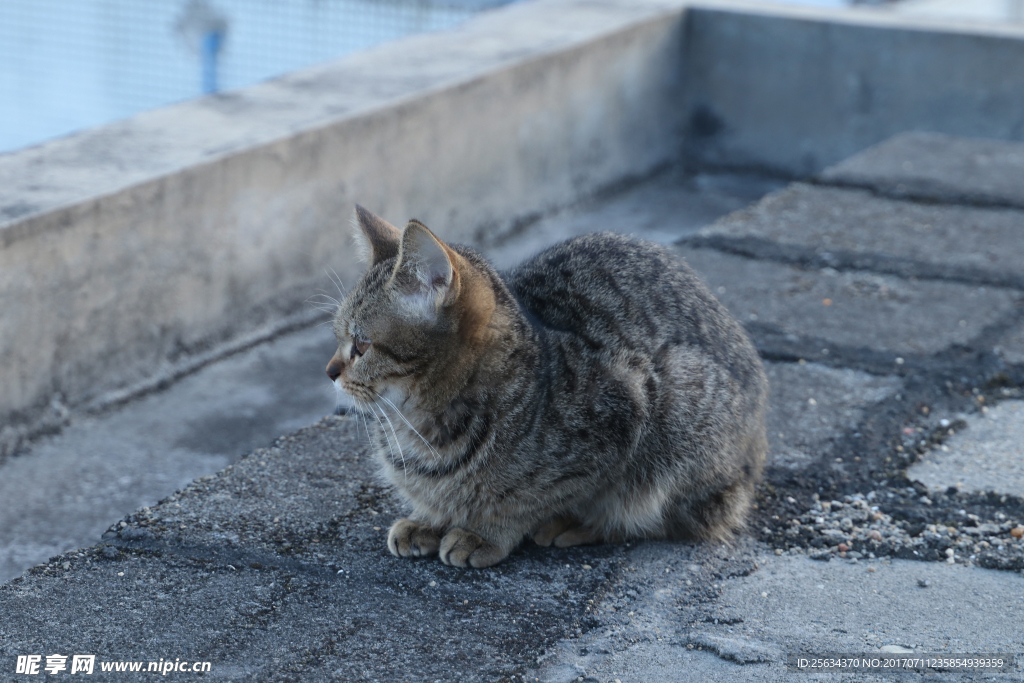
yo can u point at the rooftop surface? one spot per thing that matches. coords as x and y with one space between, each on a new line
886 300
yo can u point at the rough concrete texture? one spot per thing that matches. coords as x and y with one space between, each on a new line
794 605
986 454
800 89
938 167
813 405
663 208
1011 345
275 568
854 228
65 490
841 307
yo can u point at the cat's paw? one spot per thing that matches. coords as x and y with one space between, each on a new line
547 532
579 535
407 538
462 548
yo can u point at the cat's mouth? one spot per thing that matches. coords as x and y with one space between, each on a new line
349 395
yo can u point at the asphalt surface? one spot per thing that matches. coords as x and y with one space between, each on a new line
895 363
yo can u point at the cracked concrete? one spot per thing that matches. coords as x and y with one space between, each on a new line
843 307
845 227
813 405
937 167
986 455
797 605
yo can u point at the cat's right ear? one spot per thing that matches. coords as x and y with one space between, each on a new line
376 239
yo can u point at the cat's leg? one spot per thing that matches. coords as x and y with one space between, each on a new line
578 535
407 538
465 548
565 532
544 534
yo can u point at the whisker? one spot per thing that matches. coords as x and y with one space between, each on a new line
338 283
405 469
386 437
326 307
366 427
415 431
325 295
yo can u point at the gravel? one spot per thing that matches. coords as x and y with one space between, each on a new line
857 527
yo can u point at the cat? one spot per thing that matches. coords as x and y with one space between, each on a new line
596 393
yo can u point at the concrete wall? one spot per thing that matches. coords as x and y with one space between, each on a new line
794 90
131 247
143 245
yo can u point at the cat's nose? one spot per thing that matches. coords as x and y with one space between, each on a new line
335 367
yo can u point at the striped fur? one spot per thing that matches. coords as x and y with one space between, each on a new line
598 392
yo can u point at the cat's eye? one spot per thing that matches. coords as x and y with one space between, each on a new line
359 347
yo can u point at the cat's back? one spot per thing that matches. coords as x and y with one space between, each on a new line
613 291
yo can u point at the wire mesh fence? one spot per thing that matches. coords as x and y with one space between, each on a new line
71 64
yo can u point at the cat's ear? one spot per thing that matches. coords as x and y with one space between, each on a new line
425 273
376 239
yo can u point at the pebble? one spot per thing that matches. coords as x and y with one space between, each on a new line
924 583
852 525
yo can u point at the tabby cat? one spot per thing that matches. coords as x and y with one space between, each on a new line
595 393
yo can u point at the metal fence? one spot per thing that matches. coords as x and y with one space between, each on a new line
71 64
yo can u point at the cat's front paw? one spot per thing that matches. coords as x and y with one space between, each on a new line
407 538
462 548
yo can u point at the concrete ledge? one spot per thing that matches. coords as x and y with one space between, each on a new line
796 90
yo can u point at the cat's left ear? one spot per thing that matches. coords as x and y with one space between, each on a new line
426 272
376 239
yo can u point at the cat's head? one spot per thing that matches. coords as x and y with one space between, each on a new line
419 314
